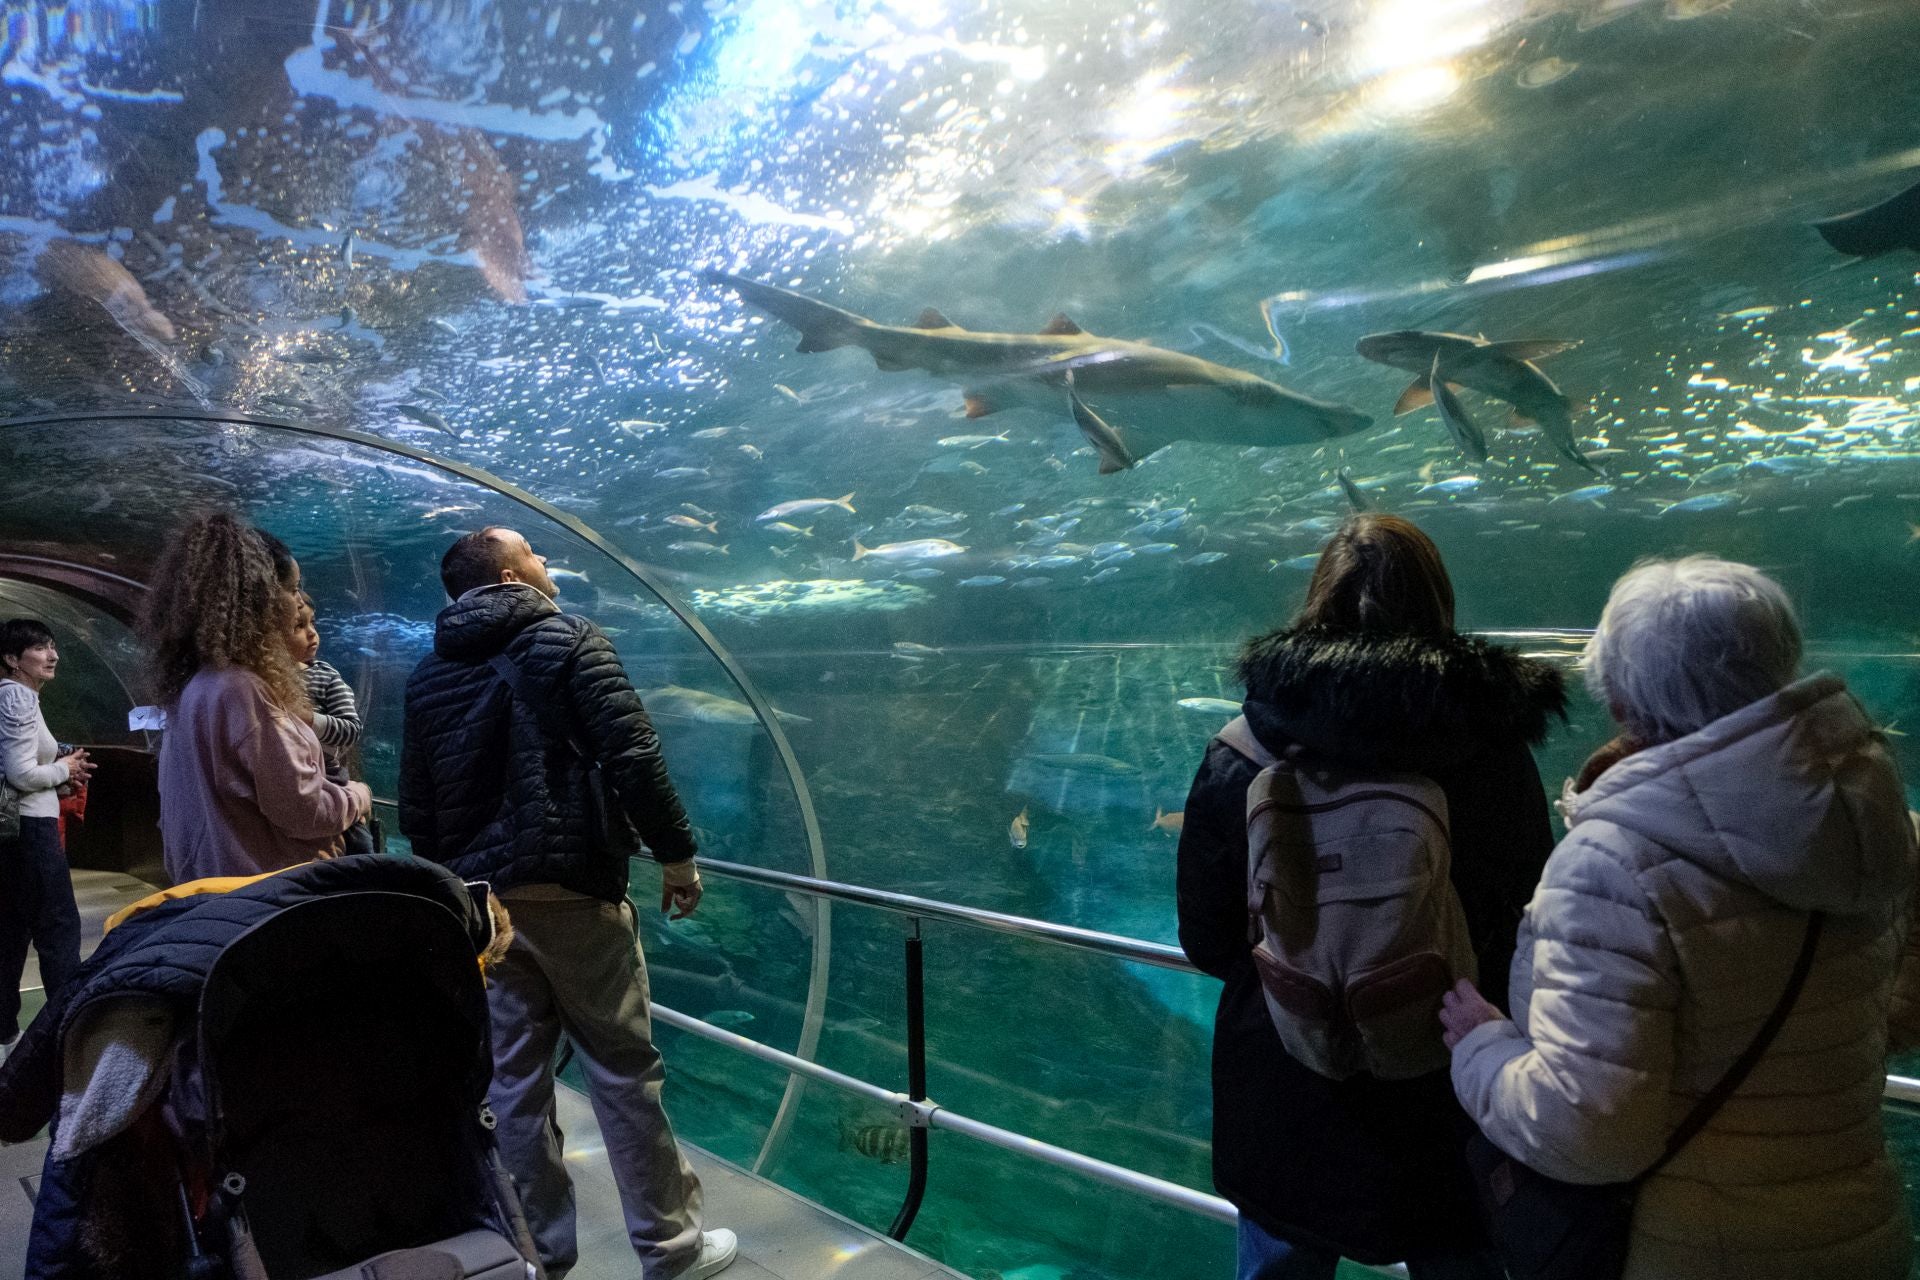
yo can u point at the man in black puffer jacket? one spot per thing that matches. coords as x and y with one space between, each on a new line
492 784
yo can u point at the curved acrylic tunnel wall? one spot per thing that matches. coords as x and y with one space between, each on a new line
369 524
369 521
916 756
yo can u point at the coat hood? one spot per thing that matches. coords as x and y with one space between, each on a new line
478 625
1795 795
1395 701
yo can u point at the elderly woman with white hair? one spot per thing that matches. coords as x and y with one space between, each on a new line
1741 805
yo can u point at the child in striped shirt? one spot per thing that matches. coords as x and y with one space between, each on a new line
336 717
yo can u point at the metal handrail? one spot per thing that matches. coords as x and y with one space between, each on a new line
925 1115
1903 1090
931 1115
906 904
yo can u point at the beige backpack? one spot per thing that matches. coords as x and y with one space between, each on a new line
1356 927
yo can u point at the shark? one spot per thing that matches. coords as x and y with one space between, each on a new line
1160 395
1892 224
1504 370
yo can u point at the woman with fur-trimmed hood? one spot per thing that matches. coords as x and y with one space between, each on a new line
1371 675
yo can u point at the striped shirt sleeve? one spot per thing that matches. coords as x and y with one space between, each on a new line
336 717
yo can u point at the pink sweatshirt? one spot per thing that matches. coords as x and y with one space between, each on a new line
243 787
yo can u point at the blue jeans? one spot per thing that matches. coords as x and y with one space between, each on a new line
36 909
1265 1257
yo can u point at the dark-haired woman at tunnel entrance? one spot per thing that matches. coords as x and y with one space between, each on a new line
36 894
1342 1138
243 785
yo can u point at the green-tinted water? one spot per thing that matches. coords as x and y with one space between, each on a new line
479 230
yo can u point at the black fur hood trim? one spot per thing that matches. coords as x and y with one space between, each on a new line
1403 701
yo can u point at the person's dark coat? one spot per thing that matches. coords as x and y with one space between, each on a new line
1361 1166
486 791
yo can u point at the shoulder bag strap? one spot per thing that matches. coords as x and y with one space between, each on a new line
1704 1109
509 671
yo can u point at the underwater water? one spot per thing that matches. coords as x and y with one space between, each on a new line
538 240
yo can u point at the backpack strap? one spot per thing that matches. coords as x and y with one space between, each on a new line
1716 1097
1239 735
515 679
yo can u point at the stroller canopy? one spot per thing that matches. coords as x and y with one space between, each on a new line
323 1087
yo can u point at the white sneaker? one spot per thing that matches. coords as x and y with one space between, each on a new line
718 1249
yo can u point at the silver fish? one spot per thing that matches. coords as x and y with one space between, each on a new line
1081 762
1504 370
1210 706
1704 502
805 506
1114 455
1355 499
688 522
1451 485
427 418
1467 436
908 552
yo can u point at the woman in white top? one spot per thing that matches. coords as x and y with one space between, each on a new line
36 893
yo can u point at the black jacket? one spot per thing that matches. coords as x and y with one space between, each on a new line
1361 1165
485 791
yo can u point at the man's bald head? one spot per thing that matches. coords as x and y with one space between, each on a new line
490 556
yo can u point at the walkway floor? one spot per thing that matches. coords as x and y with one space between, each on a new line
782 1236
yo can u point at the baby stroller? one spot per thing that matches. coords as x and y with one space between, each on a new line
284 1081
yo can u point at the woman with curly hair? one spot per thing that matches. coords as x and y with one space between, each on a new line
243 785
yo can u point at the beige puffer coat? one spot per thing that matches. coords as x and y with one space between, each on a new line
1662 934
